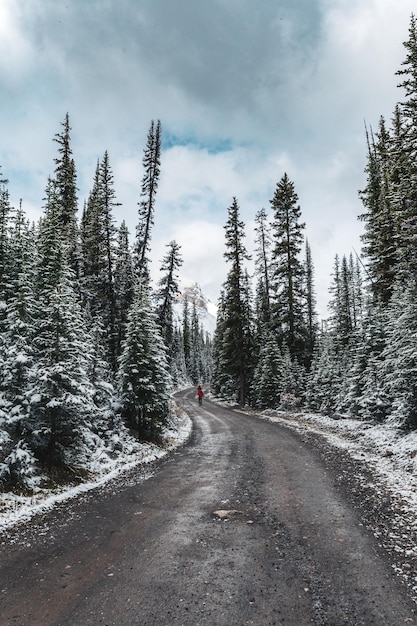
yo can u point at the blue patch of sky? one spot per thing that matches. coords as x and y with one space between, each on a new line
212 146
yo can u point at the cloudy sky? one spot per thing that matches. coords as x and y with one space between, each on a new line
245 90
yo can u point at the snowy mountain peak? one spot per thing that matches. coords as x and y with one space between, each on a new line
206 310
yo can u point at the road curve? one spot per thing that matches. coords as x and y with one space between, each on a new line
242 526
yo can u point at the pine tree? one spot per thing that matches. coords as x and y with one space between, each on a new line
263 267
409 106
186 333
288 276
143 378
168 289
340 305
195 368
324 380
99 248
231 339
123 283
367 398
311 311
5 216
400 356
380 235
65 183
61 395
17 335
221 382
268 378
405 129
152 166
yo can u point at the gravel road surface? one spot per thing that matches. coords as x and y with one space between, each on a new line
245 525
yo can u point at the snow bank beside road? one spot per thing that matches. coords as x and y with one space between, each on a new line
390 453
377 467
15 509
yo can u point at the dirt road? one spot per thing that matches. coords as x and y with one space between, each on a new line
243 526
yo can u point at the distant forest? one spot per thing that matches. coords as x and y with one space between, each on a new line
91 351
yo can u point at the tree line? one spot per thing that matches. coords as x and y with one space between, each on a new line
89 350
270 351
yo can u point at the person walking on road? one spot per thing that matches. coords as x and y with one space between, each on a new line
200 394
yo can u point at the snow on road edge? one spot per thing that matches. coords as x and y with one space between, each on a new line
15 509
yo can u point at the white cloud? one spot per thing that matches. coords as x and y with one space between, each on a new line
14 48
273 87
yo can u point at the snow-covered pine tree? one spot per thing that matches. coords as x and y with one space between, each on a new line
366 396
380 234
124 282
6 211
404 192
324 378
17 333
221 382
98 233
61 394
340 320
17 463
268 377
61 397
207 356
168 289
6 289
144 381
399 368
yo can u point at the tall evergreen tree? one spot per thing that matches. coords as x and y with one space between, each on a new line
99 247
168 289
288 276
196 369
311 303
5 215
231 341
123 282
152 167
263 267
16 348
380 237
65 183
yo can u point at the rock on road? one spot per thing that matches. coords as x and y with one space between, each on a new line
242 526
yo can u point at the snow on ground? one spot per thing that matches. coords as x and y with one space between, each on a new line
383 477
388 452
15 509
